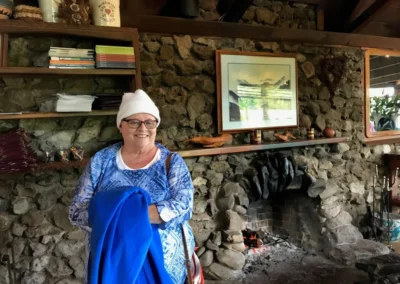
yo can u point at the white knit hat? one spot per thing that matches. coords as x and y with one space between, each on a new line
137 102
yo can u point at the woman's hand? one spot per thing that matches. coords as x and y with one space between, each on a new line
153 215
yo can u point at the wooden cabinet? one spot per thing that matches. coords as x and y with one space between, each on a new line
129 37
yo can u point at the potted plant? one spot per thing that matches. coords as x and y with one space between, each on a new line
384 112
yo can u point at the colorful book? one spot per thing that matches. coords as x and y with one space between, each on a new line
70 52
71 49
116 66
72 58
72 62
122 50
71 67
115 57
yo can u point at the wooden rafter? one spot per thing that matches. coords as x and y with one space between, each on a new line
237 10
367 16
337 14
361 6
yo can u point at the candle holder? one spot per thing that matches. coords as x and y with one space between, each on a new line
256 137
310 133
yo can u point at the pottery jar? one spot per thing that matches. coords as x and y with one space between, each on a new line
329 132
106 13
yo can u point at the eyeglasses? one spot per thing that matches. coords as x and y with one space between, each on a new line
135 123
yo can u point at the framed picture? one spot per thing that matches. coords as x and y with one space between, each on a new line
256 91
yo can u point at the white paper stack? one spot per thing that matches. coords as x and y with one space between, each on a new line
74 103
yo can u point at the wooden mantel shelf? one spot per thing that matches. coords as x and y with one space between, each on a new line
266 146
63 165
213 151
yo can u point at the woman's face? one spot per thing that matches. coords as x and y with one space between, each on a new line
138 137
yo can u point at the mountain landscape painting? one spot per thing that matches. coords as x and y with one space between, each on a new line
258 92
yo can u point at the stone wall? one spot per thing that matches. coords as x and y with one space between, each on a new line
179 74
284 14
184 65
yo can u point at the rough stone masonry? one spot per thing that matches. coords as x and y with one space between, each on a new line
179 74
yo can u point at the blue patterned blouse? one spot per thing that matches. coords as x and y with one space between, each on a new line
173 195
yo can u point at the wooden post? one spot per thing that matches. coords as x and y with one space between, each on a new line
4 50
136 47
321 16
1 50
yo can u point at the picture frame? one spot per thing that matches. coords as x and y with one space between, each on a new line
256 91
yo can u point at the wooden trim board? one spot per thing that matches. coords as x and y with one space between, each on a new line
212 151
168 25
266 146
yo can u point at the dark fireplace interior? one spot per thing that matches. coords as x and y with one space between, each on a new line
279 204
291 216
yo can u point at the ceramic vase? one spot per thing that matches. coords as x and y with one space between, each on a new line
50 10
106 13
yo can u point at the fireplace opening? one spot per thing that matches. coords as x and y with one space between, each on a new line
291 216
274 213
278 203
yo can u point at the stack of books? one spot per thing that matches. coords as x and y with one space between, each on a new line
74 103
71 58
118 57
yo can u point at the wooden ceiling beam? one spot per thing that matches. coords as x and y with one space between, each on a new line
309 2
367 16
167 25
381 29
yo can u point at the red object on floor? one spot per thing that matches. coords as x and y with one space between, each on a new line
197 274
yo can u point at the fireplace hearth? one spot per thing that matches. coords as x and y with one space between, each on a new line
302 212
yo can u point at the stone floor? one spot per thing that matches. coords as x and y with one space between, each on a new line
286 264
396 247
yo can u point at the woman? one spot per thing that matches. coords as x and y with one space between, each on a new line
141 162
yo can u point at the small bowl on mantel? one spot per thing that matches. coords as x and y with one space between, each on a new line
6 8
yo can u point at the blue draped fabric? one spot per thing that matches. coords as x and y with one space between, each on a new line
125 247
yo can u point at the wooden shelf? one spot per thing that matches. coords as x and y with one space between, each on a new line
62 72
266 146
57 114
21 27
63 165
13 28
